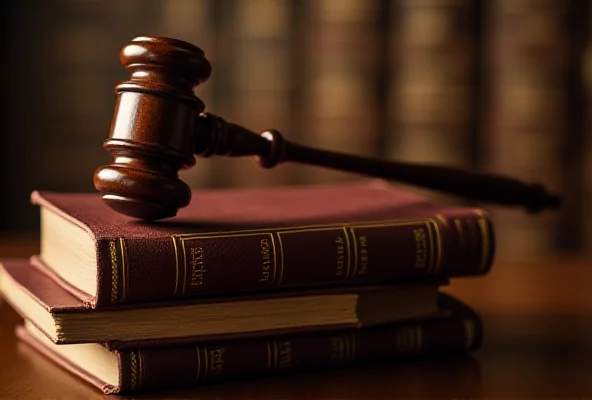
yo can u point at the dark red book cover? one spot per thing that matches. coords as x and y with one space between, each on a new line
239 240
66 319
195 364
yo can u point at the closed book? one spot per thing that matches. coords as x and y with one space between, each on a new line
257 240
65 318
136 368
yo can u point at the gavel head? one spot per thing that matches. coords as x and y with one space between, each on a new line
153 128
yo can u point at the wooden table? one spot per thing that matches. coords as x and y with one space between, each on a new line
538 343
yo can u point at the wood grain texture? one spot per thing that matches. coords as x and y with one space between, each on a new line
538 330
158 126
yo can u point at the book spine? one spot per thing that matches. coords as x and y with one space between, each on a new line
151 368
229 262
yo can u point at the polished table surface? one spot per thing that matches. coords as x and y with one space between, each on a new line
538 344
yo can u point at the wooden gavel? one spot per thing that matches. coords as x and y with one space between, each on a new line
159 126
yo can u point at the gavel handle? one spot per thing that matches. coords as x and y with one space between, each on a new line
218 137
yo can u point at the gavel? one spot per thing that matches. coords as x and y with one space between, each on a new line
160 126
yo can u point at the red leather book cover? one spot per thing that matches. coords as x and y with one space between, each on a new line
66 319
239 240
198 363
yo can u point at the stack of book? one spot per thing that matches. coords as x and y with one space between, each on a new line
247 283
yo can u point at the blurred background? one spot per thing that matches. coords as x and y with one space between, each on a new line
497 86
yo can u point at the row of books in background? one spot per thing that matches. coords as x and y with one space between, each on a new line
497 86
248 283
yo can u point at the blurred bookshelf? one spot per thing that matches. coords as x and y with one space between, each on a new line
493 86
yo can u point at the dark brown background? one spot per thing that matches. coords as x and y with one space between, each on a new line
497 87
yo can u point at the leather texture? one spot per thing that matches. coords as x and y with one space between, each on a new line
244 240
59 302
198 363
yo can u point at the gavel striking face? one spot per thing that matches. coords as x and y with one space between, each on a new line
159 126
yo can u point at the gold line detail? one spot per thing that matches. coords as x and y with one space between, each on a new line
206 362
268 355
347 345
304 228
124 269
140 368
198 354
485 243
194 236
174 238
355 240
281 247
114 270
348 247
181 238
274 257
418 339
275 354
469 333
439 241
184 267
432 258
134 370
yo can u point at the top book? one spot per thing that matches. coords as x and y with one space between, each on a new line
245 240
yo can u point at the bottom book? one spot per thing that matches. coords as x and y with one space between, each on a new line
131 369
